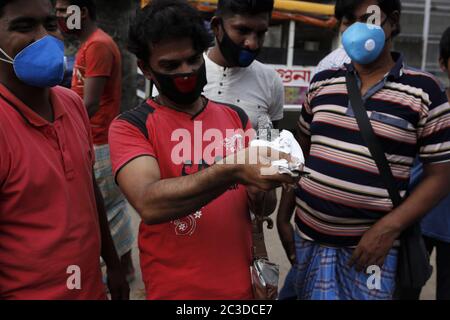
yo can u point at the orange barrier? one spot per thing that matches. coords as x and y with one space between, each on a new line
282 5
292 11
329 23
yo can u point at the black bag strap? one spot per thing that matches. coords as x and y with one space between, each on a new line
372 141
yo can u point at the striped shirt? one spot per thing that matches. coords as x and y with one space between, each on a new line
345 195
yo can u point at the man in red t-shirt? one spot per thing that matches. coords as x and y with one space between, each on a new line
97 78
51 210
180 161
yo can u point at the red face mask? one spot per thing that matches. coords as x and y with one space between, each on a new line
182 89
62 24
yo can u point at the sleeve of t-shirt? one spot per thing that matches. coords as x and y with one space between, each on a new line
276 110
434 128
306 115
127 142
99 60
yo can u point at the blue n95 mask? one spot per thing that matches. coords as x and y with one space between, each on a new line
364 42
41 64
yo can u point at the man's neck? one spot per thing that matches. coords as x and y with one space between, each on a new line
373 73
216 56
37 99
382 65
448 93
88 29
191 109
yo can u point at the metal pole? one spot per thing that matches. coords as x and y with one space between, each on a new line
426 31
291 44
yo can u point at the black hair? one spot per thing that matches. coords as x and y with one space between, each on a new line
444 47
165 20
3 4
346 8
245 7
89 4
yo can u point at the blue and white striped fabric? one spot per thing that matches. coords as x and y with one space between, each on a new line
116 205
322 273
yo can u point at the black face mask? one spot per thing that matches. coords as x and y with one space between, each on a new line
234 54
183 89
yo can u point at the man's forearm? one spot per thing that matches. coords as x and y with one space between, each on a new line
170 199
108 250
94 87
92 109
285 230
430 191
287 205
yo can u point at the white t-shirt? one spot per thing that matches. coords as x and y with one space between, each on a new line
257 89
335 60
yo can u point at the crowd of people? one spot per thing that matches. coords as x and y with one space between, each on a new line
71 164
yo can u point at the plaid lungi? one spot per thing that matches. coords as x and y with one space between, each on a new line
322 273
119 218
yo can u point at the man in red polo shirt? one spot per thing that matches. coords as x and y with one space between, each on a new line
52 222
195 240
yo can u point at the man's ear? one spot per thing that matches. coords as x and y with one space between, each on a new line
444 68
342 27
395 21
144 68
215 26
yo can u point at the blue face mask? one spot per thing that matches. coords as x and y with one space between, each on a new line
41 64
364 42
